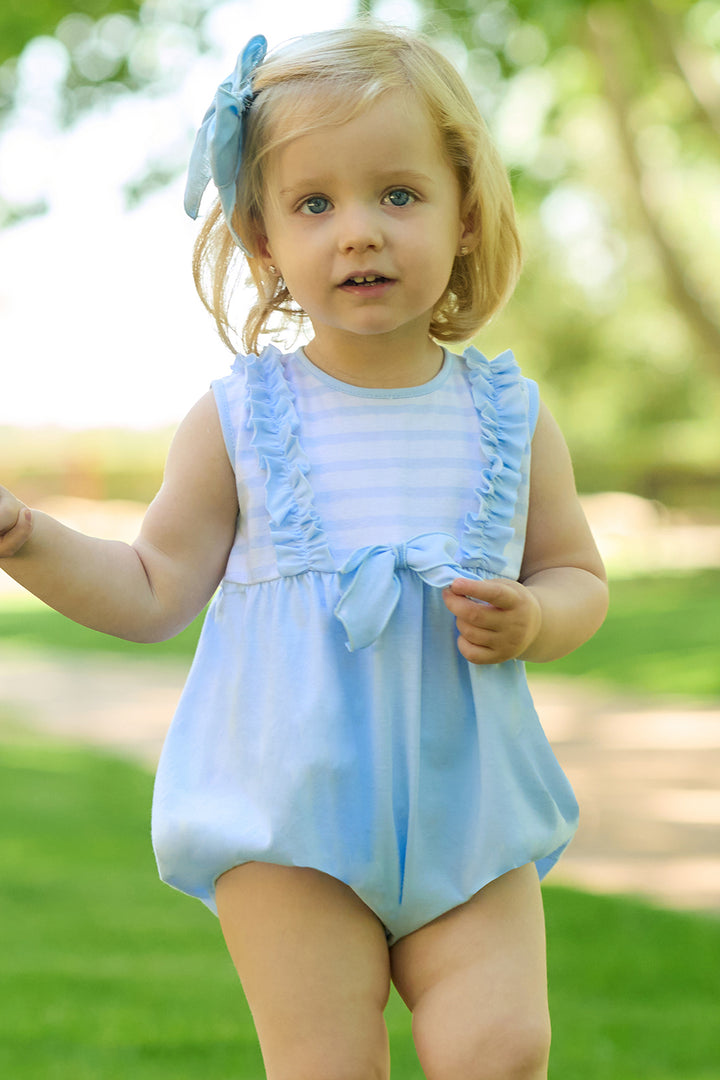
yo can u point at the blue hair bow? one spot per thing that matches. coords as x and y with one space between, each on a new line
217 153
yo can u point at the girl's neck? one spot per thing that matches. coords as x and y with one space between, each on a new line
375 362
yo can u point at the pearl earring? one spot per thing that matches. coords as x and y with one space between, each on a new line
463 250
273 270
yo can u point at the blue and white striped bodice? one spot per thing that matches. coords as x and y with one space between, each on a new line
367 467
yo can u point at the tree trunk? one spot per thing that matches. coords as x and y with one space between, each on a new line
607 29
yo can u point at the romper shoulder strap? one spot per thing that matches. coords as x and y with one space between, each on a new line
297 533
494 533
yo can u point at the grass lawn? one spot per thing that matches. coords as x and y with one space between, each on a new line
108 974
660 637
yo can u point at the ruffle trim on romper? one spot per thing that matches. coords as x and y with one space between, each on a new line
297 533
500 398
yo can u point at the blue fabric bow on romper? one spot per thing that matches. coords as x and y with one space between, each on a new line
217 153
371 588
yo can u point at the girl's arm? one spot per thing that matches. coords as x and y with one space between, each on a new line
561 598
151 589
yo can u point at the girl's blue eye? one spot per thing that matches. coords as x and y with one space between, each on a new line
316 204
400 197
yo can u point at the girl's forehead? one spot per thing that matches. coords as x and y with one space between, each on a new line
308 111
394 123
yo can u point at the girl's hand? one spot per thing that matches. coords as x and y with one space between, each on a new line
502 627
15 524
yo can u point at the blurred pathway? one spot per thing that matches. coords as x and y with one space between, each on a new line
646 773
647 777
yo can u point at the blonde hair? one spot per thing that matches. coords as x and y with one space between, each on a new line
328 78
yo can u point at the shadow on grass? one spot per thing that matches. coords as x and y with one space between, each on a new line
108 973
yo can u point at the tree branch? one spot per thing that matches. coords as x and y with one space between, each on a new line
606 33
688 63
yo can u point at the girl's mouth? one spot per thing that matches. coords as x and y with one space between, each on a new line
365 281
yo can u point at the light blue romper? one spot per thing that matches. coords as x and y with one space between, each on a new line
328 719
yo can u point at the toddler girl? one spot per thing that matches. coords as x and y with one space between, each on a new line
356 780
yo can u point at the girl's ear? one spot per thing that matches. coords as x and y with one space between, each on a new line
265 257
467 243
263 250
469 235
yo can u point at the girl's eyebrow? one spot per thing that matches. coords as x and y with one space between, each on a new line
397 175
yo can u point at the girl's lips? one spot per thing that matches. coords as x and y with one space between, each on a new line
373 288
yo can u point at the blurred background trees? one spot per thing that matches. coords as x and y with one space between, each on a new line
608 116
60 59
21 21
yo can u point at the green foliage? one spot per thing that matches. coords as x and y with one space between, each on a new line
106 972
58 61
20 21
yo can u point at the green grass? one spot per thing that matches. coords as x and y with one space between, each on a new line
107 973
28 622
634 990
660 637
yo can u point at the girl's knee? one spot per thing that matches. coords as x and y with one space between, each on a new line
323 1062
521 1051
511 1048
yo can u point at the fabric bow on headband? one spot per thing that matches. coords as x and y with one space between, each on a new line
217 153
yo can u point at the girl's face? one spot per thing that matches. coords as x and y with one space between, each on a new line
363 221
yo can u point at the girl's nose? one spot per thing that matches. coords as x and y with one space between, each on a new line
359 230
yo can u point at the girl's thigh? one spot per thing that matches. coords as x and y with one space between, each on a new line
476 982
314 965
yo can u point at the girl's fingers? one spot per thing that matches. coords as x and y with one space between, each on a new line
13 539
473 613
477 635
480 630
501 594
478 654
495 619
